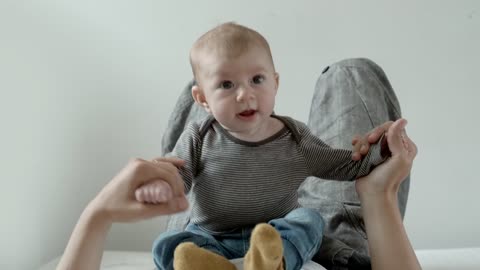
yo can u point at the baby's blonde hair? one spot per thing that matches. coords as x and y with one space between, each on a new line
227 40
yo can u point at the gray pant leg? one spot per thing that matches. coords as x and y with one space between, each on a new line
185 111
351 97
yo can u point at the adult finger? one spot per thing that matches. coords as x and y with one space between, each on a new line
175 205
174 160
377 132
409 145
395 137
357 143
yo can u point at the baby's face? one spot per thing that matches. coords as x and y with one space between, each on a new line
239 92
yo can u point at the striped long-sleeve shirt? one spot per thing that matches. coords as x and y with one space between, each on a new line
237 183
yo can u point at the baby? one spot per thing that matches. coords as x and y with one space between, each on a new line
244 164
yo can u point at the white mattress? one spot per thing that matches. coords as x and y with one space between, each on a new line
126 260
308 266
443 259
434 259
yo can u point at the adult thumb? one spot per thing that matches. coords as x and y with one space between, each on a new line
395 137
174 160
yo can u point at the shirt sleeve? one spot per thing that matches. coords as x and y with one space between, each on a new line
188 149
326 162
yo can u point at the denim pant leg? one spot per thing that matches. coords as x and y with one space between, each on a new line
164 246
351 97
301 232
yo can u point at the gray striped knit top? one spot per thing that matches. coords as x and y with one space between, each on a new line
236 183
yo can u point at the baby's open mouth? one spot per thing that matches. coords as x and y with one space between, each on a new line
247 113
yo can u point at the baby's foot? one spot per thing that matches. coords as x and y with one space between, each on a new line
188 256
266 249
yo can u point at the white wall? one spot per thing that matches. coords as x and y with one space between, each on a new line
85 85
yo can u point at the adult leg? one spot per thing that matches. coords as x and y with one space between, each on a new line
351 97
185 111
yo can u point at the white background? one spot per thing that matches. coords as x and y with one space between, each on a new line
86 85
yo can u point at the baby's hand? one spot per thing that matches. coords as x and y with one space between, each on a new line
156 191
361 145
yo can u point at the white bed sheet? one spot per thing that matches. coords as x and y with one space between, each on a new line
448 259
432 259
125 260
308 266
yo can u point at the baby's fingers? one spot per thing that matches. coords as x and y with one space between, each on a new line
168 172
156 191
360 147
377 132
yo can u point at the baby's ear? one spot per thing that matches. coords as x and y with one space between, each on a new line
199 97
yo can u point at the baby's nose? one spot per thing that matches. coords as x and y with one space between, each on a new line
245 93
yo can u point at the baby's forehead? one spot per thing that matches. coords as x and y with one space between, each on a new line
218 62
222 49
216 65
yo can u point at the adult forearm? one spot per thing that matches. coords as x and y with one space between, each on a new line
388 242
85 247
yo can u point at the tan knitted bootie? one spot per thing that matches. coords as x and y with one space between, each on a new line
266 249
188 256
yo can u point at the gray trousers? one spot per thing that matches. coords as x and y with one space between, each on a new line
351 97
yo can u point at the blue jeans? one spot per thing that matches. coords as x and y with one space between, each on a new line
301 232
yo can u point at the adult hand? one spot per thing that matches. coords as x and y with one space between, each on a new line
158 191
361 145
116 201
388 176
378 193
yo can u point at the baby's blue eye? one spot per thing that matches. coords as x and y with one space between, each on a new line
258 79
226 85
